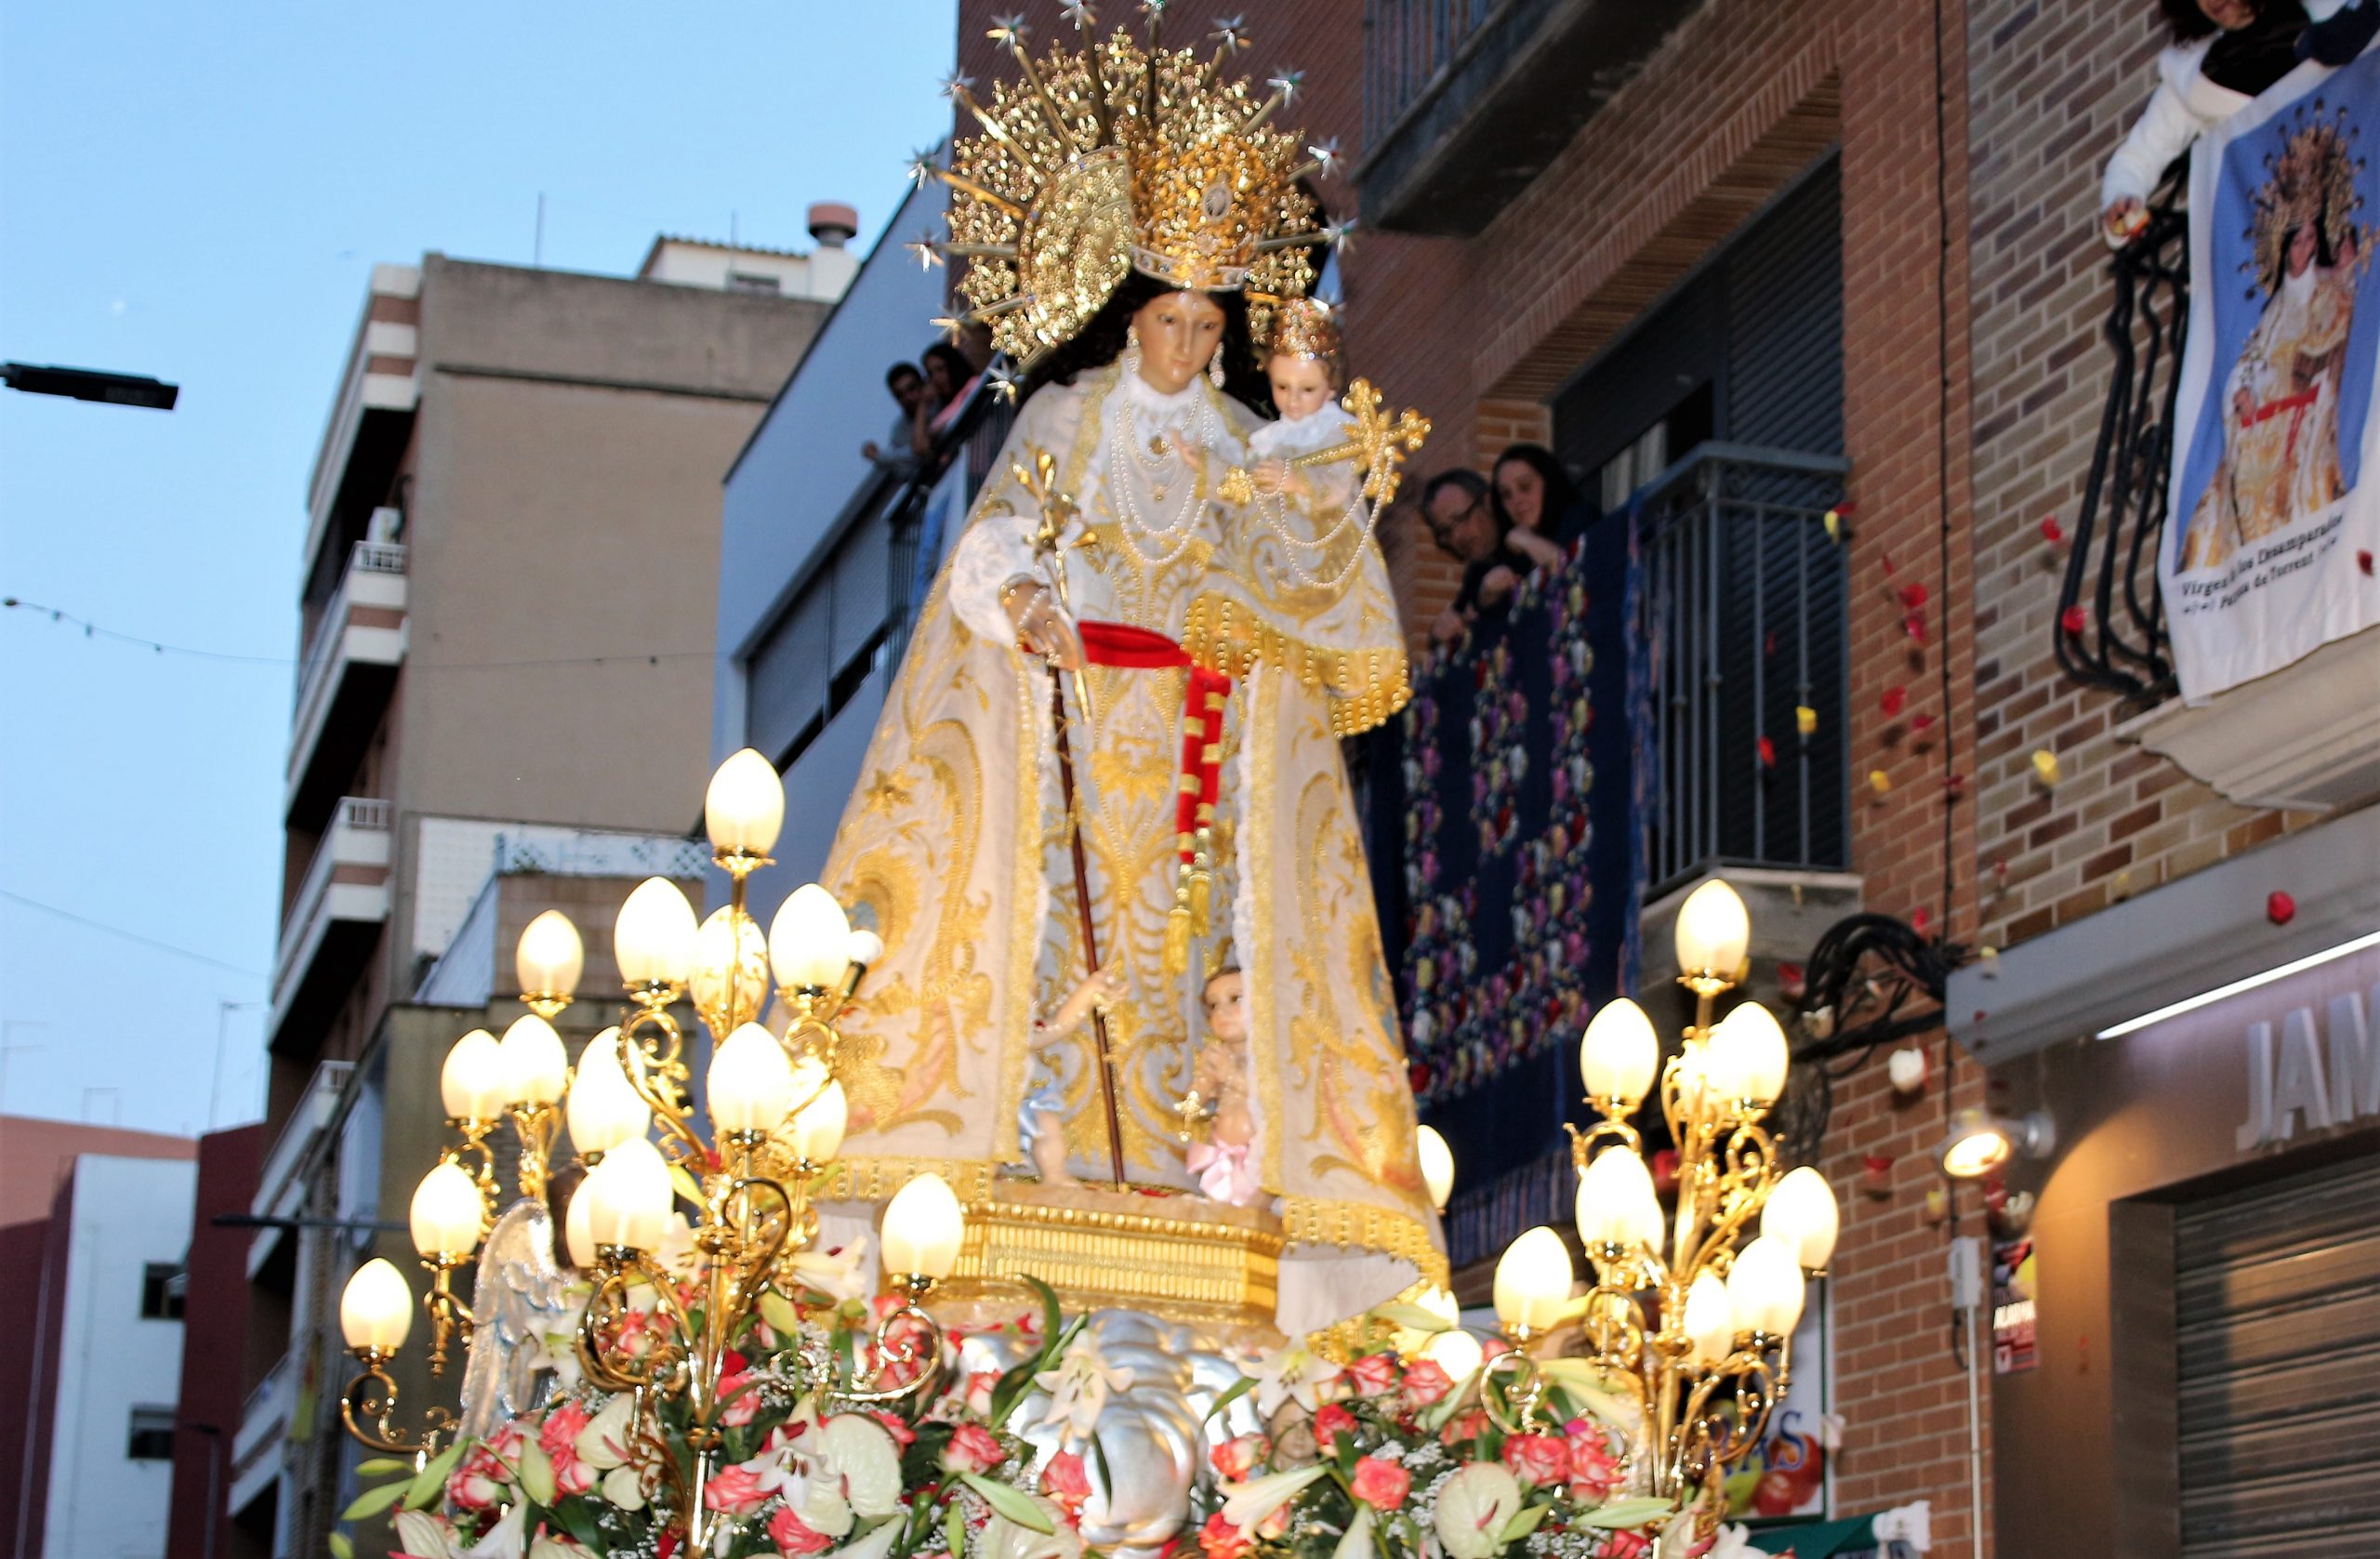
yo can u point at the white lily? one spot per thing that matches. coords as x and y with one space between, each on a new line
604 1444
1079 1387
429 1536
835 1274
1293 1373
1245 1504
1004 1539
876 1544
1358 1543
1472 1508
855 1456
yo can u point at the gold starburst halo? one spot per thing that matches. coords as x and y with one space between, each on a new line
2312 180
1096 162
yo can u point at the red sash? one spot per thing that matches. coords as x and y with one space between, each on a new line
1198 781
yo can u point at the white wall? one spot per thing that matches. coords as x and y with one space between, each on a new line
127 1212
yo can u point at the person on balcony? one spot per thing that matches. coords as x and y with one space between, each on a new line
895 453
950 379
2224 53
1460 511
1539 506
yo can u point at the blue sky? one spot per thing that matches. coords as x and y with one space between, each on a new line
199 194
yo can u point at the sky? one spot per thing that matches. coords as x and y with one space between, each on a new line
198 192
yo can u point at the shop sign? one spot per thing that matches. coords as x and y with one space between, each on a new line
2296 1080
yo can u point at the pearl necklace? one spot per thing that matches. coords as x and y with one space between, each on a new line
1126 454
1275 511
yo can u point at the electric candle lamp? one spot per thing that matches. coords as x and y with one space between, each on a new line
821 1114
654 938
1764 1289
1616 1204
446 1212
1713 933
629 1196
1746 1057
743 809
1533 1281
1803 1214
603 1108
809 940
1618 1054
1710 1320
750 1083
470 1084
375 1310
1437 1165
549 958
923 1225
536 1066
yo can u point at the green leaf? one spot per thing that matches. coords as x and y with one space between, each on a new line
1412 1316
536 1473
1239 1388
340 1547
687 1186
954 1530
1052 1317
1099 1459
778 1312
381 1466
1522 1523
580 1522
1011 1503
1622 1515
430 1479
371 1502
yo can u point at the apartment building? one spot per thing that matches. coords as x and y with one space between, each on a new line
507 581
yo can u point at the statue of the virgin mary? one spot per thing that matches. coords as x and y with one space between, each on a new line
1109 632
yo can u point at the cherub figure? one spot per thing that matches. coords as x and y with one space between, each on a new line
1041 1114
1219 1095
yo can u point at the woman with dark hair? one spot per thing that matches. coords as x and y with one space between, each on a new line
1539 504
950 379
2224 52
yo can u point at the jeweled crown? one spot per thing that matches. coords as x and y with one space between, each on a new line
1122 156
1308 328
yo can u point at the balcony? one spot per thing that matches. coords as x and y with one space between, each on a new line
338 913
1466 102
281 1190
264 1427
350 665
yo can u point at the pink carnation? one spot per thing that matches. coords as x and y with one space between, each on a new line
1426 1383
973 1449
1537 1459
1373 1374
1381 1484
793 1537
734 1492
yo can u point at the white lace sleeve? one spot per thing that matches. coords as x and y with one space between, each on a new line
997 544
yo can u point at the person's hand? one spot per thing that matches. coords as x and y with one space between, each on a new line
1496 584
1193 454
1101 991
1271 475
869 452
1538 549
1449 627
2124 217
1044 626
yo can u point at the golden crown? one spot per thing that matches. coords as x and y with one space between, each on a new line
1306 327
2311 180
1123 156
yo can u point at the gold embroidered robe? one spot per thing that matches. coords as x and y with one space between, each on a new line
956 842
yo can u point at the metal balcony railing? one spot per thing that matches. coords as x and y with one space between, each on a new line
1406 44
1746 611
2109 630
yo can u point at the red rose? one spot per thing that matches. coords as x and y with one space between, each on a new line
1463 1426
558 1437
1235 1458
1624 1545
1330 1422
896 1426
1381 1484
1066 1481
743 1399
1426 1383
734 1492
979 1392
793 1537
1373 1374
478 1481
1537 1459
1219 1539
1595 1472
973 1449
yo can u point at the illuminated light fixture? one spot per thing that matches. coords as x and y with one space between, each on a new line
1981 1141
1437 1165
2278 971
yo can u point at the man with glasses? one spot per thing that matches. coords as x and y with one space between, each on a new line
1456 506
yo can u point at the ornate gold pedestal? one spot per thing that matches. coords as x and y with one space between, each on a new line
1185 1259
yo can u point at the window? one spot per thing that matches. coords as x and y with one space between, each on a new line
745 281
151 1438
162 1287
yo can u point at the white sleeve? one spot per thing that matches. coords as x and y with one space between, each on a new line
2163 132
994 550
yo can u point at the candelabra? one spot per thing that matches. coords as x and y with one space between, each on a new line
1686 1320
777 1116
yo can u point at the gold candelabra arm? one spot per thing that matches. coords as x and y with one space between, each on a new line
474 1147
907 1349
450 1318
607 1307
658 1074
370 1401
537 1125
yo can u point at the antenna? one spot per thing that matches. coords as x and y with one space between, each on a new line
537 252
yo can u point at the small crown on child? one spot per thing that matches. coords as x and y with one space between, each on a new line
1306 329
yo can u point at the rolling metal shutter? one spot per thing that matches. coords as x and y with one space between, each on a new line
2276 1300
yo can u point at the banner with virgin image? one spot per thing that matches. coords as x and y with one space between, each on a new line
2271 527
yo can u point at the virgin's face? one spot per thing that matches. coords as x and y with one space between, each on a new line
1179 332
1300 385
1523 492
2301 248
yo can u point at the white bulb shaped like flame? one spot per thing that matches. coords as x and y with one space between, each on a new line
1533 1280
550 956
375 1310
810 940
743 809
